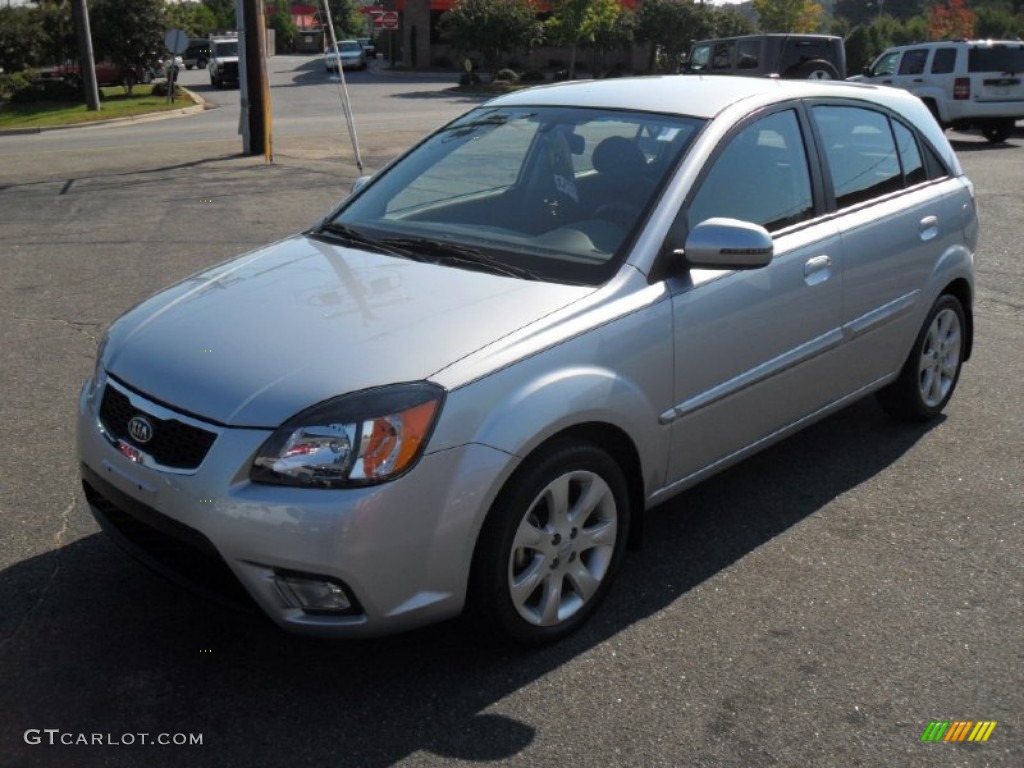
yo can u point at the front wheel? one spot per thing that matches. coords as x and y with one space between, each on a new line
998 131
931 372
550 546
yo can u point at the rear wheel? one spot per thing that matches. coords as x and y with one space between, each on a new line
932 370
998 131
550 546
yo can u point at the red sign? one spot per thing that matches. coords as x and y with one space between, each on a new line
389 20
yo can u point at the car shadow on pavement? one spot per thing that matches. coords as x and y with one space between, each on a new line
90 642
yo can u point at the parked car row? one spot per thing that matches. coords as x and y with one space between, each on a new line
964 83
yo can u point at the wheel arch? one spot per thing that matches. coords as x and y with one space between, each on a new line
960 289
620 446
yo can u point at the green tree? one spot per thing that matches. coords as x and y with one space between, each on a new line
223 14
610 28
279 19
348 20
730 21
565 26
997 21
60 45
23 41
800 16
128 32
194 18
491 28
603 25
670 26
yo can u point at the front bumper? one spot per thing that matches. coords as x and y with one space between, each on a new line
402 549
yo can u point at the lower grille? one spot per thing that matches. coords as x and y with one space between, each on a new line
174 550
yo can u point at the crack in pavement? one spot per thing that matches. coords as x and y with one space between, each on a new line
58 542
81 326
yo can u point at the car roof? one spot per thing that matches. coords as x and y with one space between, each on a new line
703 96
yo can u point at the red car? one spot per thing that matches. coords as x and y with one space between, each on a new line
107 73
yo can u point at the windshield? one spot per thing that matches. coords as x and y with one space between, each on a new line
553 191
227 49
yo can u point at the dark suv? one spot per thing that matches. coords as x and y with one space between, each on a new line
796 57
197 54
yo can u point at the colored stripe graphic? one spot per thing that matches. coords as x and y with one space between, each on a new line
958 730
982 730
935 730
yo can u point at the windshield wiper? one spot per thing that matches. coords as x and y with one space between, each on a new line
350 236
450 253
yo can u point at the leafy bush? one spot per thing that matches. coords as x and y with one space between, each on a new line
532 76
507 75
160 89
46 90
15 81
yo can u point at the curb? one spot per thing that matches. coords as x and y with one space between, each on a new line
199 105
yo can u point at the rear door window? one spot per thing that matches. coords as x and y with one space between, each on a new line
861 153
944 61
721 57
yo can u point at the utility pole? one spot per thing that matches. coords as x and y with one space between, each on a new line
257 86
86 59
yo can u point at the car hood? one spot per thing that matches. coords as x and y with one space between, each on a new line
257 339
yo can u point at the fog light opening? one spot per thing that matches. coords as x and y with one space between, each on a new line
317 595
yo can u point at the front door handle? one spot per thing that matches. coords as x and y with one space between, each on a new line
818 269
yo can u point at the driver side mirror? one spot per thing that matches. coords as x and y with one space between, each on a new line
721 243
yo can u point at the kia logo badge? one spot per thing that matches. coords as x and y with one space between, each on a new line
140 429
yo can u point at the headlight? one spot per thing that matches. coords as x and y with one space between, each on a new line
359 439
97 372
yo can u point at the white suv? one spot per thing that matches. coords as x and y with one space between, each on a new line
965 83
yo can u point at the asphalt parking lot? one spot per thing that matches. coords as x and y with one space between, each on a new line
818 605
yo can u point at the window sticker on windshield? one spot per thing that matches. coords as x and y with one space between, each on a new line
668 134
566 187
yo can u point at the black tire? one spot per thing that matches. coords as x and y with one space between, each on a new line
931 371
189 66
201 63
819 69
998 131
566 559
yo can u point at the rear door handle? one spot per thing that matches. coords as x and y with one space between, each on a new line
929 227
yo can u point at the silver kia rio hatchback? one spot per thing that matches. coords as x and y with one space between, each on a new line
459 391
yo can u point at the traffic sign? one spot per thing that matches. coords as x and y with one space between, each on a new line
389 19
176 41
